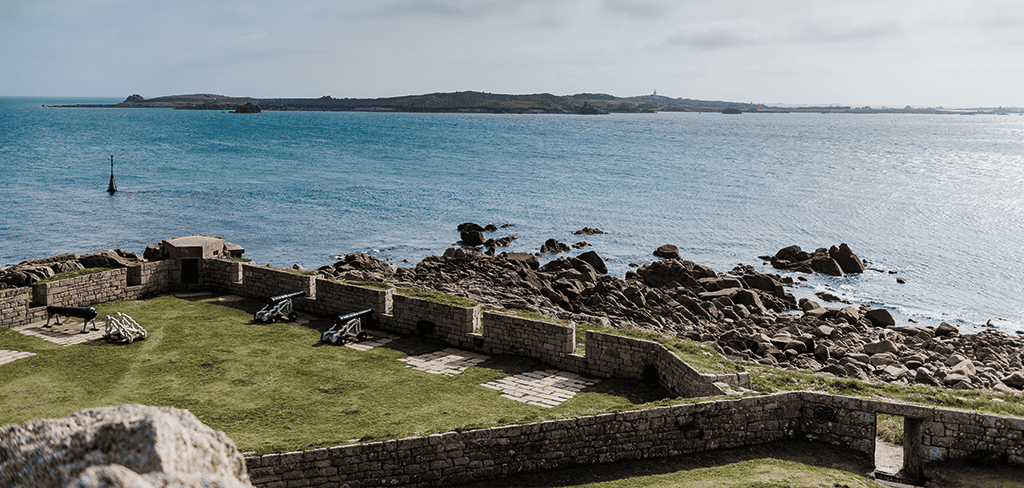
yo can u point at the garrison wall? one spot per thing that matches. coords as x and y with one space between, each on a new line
479 455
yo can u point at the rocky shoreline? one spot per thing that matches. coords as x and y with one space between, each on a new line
746 315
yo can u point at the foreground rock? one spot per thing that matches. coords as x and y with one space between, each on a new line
123 446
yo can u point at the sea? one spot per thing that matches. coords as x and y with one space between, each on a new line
936 200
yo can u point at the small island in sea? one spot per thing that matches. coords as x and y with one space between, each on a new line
481 102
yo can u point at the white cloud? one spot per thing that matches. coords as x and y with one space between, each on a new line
845 51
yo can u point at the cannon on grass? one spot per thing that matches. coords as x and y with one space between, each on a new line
346 328
278 308
122 328
87 313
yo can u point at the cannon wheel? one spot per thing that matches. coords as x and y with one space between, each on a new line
361 336
292 316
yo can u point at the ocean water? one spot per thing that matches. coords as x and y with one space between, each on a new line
939 200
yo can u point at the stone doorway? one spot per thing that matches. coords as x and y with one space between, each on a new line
898 448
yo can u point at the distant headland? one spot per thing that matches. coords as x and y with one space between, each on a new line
480 102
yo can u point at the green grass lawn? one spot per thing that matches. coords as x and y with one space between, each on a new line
273 387
754 473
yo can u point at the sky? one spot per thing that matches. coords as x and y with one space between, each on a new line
922 53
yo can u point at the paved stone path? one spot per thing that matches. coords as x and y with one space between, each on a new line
9 356
548 388
66 334
449 361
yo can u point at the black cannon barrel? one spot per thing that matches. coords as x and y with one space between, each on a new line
341 319
87 313
281 298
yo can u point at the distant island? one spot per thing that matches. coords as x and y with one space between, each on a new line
480 102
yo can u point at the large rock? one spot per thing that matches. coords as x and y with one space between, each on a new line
946 329
595 261
880 317
836 261
107 258
553 246
472 238
848 261
888 346
126 445
667 251
1015 380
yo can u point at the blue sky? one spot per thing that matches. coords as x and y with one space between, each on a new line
892 53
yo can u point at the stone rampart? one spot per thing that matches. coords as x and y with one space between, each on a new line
478 455
260 282
545 341
82 291
484 454
337 298
223 275
448 323
150 278
14 306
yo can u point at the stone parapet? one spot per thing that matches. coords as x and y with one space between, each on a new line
14 306
509 334
337 298
223 275
262 282
439 321
479 455
82 291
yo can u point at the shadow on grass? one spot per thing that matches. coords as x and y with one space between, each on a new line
822 455
637 392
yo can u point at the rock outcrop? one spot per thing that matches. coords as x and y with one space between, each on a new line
836 261
248 108
124 446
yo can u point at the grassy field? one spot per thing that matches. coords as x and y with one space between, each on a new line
274 387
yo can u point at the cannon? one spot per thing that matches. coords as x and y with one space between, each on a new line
278 308
87 313
122 328
346 328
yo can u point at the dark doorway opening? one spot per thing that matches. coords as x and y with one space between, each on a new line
425 328
190 271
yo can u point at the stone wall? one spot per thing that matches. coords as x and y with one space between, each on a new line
545 341
14 306
151 278
477 455
222 275
439 321
484 454
82 291
260 282
336 298
614 356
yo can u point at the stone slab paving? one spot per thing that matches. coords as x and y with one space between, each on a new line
9 356
66 334
376 339
449 361
548 388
